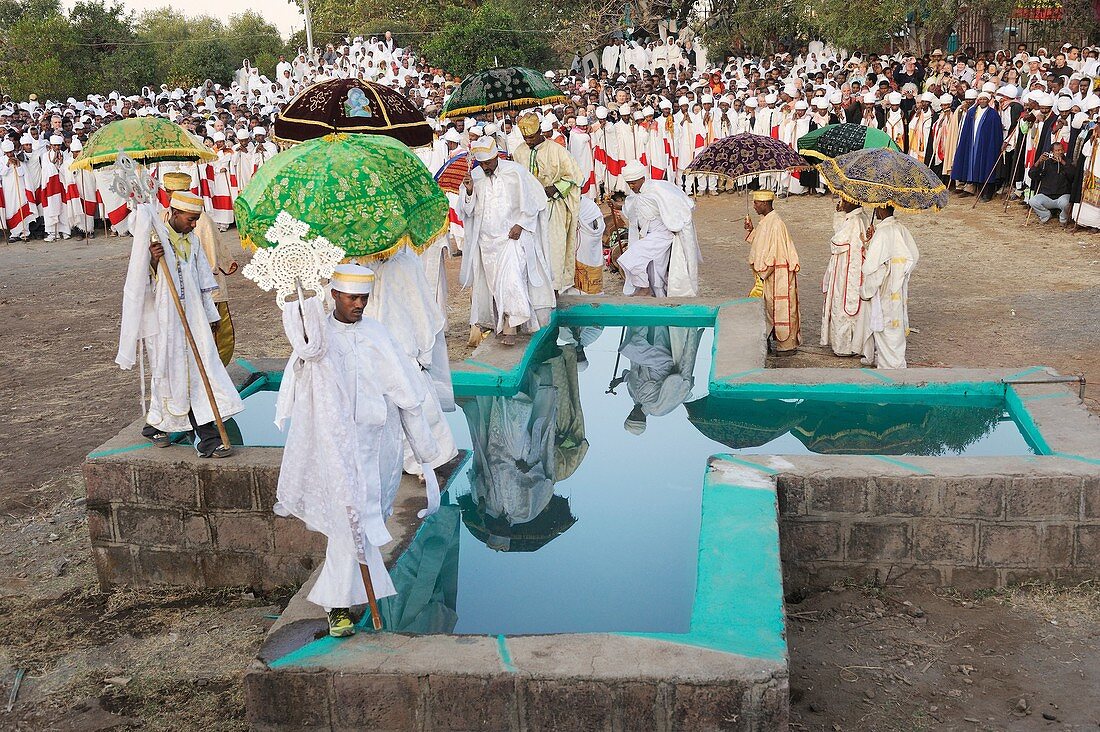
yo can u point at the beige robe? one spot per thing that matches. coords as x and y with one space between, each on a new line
951 138
552 165
773 259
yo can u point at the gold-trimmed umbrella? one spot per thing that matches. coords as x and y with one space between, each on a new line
353 106
368 194
884 177
145 139
503 88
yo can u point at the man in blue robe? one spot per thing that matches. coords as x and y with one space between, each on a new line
979 146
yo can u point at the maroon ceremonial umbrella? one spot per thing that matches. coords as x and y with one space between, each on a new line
353 106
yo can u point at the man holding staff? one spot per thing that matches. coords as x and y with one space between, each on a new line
177 335
350 394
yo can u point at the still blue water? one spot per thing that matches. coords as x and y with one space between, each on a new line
579 507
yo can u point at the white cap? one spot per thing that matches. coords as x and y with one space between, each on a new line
452 136
665 104
752 103
989 86
683 100
819 103
601 112
771 99
984 95
57 140
1046 100
26 140
217 137
893 98
1090 102
7 146
971 94
648 111
946 100
707 99
259 131
624 110
76 145
801 104
869 98
242 134
1008 90
352 279
547 124
836 98
928 97
582 121
639 115
633 171
484 149
1065 103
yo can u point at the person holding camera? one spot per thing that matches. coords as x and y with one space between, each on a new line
1052 180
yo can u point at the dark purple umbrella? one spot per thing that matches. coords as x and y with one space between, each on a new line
353 106
739 156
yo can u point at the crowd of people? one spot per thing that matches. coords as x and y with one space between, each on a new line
368 382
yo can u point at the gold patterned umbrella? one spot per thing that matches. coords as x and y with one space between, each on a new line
145 139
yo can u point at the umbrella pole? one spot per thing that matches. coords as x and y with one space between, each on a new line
375 615
618 355
195 351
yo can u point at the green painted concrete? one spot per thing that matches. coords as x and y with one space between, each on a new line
505 654
901 464
739 591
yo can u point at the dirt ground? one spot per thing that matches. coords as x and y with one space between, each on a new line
987 292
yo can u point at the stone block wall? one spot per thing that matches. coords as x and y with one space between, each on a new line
155 520
968 531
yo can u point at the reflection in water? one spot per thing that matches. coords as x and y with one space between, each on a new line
426 577
523 444
659 379
860 428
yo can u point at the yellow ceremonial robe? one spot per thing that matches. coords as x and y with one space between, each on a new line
552 165
773 259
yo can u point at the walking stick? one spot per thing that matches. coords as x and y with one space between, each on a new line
987 179
375 615
618 355
1012 182
194 350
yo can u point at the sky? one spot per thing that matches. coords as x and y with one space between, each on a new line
282 14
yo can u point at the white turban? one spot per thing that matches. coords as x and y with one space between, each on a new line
352 279
633 171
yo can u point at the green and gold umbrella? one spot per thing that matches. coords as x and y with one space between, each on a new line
145 139
504 88
368 194
884 177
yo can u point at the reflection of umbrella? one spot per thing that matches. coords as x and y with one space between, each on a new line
498 534
426 578
854 428
833 140
738 156
451 175
145 139
880 177
352 105
504 88
742 423
368 194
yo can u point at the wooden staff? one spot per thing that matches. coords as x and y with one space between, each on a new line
375 615
194 350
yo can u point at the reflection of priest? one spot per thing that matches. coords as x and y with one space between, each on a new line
660 377
524 443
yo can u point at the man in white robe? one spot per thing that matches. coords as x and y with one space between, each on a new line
18 198
150 320
844 314
661 373
590 262
662 259
53 193
888 263
350 394
403 301
580 147
504 210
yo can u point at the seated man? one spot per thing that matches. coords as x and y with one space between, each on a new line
1052 181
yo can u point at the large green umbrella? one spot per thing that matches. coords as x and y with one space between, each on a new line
503 88
833 140
145 139
368 194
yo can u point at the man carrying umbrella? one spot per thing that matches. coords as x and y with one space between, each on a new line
557 172
890 258
773 259
151 320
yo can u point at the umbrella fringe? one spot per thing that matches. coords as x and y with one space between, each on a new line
142 156
497 106
853 199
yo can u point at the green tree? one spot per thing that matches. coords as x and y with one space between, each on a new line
251 37
472 40
37 46
109 58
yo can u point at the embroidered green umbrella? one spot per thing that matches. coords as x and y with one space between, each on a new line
504 88
368 194
833 140
145 139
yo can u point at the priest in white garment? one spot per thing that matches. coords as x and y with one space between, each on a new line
150 322
663 257
350 394
507 260
890 258
661 374
844 314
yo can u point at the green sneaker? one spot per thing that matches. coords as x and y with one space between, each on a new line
339 623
